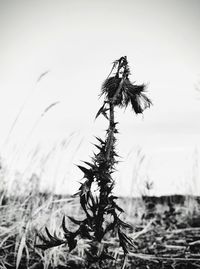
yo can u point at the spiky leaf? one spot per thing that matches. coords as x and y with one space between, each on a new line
102 111
87 172
125 241
70 236
51 241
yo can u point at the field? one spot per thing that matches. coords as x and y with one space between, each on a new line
166 232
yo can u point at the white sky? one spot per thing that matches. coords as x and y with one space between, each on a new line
77 41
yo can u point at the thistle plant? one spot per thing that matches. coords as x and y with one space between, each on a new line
102 213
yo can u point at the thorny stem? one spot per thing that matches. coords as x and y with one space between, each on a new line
110 139
103 195
108 149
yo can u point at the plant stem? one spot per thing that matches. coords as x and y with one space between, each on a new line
110 161
109 150
110 139
104 187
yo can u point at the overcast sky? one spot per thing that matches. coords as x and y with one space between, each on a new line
76 42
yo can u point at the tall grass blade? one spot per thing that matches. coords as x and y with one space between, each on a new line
20 250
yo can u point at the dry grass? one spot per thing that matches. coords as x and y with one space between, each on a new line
20 217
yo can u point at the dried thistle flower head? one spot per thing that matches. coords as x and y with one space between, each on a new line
122 92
